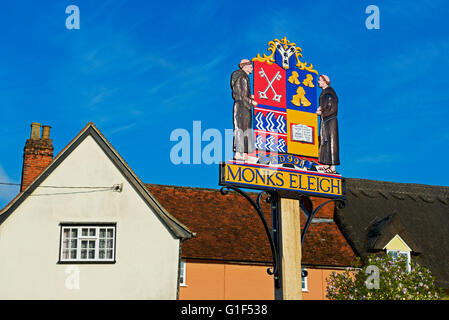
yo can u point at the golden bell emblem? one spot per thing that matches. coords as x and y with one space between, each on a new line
294 78
300 98
308 81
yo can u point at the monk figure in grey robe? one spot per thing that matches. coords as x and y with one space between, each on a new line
328 107
243 102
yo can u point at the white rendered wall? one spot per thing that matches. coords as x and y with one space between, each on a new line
146 253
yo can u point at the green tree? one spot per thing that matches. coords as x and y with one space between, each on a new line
383 278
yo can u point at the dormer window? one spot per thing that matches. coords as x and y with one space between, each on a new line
396 248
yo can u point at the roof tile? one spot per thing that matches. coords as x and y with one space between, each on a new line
228 228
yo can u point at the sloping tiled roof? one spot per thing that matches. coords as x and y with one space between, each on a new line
423 212
228 229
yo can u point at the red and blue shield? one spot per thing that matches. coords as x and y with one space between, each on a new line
285 89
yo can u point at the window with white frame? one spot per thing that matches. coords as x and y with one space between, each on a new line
182 274
304 279
395 254
87 243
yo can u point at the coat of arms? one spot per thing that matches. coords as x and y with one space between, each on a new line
285 119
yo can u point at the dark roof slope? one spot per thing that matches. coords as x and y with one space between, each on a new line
228 229
418 213
383 230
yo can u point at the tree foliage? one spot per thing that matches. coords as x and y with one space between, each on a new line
383 278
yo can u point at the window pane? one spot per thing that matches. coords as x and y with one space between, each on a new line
182 272
98 243
303 280
393 254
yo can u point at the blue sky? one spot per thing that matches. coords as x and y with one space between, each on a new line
140 69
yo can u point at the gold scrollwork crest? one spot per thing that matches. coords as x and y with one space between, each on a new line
273 45
268 59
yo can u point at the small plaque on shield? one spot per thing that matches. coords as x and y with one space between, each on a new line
302 133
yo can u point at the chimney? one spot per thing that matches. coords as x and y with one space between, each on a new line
37 154
46 132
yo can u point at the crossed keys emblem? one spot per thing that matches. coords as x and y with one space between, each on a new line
263 94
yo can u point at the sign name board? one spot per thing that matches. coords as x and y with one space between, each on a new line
256 176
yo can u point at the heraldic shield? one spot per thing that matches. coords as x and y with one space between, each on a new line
285 119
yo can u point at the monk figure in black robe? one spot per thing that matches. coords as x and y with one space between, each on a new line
329 153
243 102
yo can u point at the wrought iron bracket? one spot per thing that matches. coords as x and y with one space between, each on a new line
271 198
306 202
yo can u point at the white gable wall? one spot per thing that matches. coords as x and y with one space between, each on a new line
146 253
